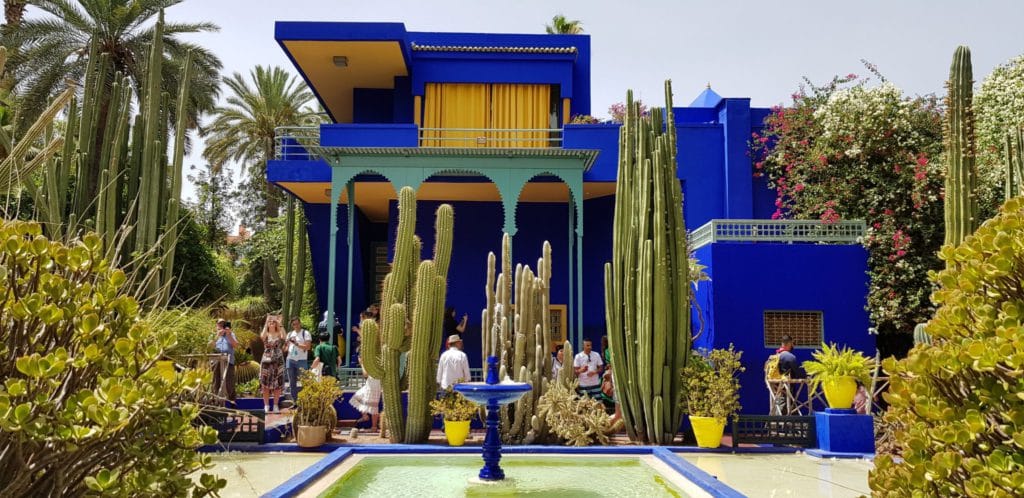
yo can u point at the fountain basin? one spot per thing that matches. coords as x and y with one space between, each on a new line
483 393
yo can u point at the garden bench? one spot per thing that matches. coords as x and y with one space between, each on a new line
790 430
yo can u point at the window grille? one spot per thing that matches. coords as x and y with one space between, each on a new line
805 327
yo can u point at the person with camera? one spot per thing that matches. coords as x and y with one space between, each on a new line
588 365
224 342
272 363
299 343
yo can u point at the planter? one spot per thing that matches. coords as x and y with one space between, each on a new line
456 431
839 391
310 436
708 430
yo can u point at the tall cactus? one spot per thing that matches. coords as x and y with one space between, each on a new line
518 332
647 291
961 203
1014 164
412 312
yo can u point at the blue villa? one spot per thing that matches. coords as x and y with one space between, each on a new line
482 122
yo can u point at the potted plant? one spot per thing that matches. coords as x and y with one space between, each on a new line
837 372
457 412
315 417
710 393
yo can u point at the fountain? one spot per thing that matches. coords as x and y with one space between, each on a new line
492 394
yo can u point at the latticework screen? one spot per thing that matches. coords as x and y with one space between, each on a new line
803 326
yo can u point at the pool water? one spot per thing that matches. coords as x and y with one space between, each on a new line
800 476
252 474
565 476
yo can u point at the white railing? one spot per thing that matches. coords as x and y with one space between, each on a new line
351 379
787 231
292 141
491 137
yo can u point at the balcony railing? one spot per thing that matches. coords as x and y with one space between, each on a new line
787 231
293 142
491 137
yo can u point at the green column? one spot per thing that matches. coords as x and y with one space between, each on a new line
578 198
351 210
332 251
569 267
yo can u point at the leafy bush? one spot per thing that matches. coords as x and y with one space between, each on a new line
959 403
250 387
82 408
831 362
202 279
454 407
315 405
192 328
248 312
710 386
579 420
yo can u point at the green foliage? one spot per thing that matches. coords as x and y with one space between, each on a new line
579 420
849 150
250 387
999 111
191 328
249 312
562 26
246 370
710 386
831 362
647 283
454 407
315 404
83 408
203 278
960 400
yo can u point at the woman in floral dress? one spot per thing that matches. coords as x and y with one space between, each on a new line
272 364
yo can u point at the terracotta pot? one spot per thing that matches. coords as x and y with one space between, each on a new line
310 436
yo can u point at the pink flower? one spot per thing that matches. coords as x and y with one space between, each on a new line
799 187
901 253
777 214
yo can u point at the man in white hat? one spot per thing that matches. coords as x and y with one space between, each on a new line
453 367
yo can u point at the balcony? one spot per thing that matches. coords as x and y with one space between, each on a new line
784 231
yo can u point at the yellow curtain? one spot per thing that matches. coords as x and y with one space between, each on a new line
451 105
520 107
483 106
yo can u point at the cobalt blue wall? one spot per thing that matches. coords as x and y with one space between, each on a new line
373 105
478 231
701 164
319 222
748 279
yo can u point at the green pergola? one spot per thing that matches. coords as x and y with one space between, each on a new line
509 169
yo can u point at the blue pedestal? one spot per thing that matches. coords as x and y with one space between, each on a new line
844 432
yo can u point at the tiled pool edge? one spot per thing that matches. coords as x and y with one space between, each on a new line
667 454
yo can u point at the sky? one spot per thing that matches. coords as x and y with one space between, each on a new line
756 49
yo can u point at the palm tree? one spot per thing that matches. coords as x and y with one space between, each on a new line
562 26
243 131
54 49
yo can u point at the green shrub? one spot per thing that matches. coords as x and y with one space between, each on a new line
959 403
202 279
454 407
578 420
192 328
831 363
710 387
83 410
315 404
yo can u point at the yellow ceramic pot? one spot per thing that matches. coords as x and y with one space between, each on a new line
708 431
456 431
839 391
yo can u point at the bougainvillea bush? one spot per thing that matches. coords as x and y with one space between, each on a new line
998 110
852 150
958 404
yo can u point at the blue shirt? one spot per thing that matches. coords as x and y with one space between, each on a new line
223 346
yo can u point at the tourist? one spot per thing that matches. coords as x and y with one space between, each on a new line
224 342
451 327
788 364
326 357
606 352
556 365
299 343
453 367
367 399
364 315
608 398
587 365
272 363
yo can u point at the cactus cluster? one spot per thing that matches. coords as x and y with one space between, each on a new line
516 327
647 283
1014 164
412 313
961 203
111 172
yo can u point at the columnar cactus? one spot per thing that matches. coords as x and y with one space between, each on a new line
647 287
1014 164
961 173
412 312
518 332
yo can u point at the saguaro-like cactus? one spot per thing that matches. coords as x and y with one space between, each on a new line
961 173
517 329
647 291
1014 164
412 312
